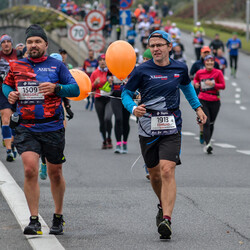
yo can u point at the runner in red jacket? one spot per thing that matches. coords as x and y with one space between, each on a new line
210 81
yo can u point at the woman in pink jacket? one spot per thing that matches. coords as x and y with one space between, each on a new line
209 81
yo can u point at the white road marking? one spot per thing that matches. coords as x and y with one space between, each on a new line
15 198
237 95
237 101
224 145
238 89
246 152
234 84
188 133
226 78
243 108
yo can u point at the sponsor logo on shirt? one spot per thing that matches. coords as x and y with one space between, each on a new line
46 69
159 77
176 75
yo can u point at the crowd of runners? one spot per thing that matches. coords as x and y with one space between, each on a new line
35 130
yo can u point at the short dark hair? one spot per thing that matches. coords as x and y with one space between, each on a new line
62 51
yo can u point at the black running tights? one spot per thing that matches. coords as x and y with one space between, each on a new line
121 120
211 109
104 113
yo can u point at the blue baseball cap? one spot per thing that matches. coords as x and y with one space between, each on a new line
56 56
161 34
208 57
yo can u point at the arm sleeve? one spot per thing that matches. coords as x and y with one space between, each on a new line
197 78
127 100
69 87
6 90
189 92
220 83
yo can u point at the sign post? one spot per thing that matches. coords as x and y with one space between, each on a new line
95 20
78 33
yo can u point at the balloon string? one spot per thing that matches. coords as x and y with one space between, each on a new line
110 96
131 168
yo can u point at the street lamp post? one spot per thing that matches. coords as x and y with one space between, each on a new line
247 18
195 11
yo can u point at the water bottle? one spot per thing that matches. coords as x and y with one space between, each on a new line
14 121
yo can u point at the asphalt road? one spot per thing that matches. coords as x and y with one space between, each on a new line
109 205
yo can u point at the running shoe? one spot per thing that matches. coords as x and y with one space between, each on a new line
124 148
164 229
34 227
10 156
159 216
104 145
146 170
109 143
13 149
118 149
201 138
57 224
43 171
208 149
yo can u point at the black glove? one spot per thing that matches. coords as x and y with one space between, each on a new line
70 114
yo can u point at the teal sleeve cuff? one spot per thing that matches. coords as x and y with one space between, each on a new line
127 100
6 90
191 96
70 90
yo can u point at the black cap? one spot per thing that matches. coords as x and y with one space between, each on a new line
62 51
36 30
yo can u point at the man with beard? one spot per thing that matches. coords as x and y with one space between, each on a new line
37 84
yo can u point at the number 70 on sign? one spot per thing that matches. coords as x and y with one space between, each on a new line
78 32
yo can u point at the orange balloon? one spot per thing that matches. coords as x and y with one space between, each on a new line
83 82
120 58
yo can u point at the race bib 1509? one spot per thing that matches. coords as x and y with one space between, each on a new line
29 93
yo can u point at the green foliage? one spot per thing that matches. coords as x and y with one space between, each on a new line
4 4
36 15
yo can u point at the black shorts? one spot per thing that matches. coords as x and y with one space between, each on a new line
50 144
158 148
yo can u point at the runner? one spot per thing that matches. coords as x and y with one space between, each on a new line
70 115
216 44
102 89
221 59
210 81
121 117
39 129
89 66
7 56
158 81
200 64
233 46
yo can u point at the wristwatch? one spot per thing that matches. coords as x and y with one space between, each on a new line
57 89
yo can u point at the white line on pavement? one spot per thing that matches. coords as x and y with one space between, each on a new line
238 89
246 152
237 95
224 145
243 108
15 198
234 84
237 101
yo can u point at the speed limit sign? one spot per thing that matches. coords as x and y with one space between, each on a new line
78 32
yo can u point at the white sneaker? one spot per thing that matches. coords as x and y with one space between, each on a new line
208 149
